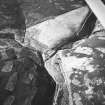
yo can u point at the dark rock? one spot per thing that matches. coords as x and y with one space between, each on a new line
23 79
38 10
11 15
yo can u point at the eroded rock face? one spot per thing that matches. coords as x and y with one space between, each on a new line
23 78
83 70
54 33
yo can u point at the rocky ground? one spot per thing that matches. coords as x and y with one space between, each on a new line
72 77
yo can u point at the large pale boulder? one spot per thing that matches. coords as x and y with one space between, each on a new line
55 32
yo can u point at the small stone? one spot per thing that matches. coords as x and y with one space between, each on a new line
7 67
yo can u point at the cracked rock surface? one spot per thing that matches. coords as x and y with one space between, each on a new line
23 78
83 70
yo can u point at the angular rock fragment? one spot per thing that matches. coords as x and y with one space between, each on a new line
12 20
36 11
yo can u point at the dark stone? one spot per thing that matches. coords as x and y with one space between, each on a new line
11 15
27 81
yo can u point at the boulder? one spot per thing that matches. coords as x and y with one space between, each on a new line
54 33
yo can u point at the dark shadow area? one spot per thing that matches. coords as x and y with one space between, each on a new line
46 88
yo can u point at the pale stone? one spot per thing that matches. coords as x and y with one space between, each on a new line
51 32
